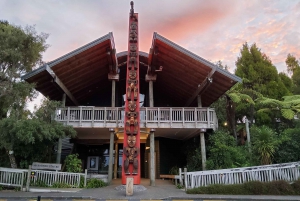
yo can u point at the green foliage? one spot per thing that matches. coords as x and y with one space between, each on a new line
265 143
1 187
220 109
289 149
292 63
95 183
61 185
296 81
21 50
174 170
251 188
73 163
81 184
287 81
179 186
38 183
224 153
194 160
260 72
288 108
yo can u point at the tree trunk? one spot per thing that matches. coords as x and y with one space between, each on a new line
230 112
12 159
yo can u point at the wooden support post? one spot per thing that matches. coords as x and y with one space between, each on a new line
111 149
199 101
59 143
113 93
116 160
152 157
203 150
151 99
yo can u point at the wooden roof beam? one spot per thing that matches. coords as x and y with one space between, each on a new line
112 64
61 85
201 88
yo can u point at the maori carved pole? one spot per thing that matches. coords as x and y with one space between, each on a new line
131 144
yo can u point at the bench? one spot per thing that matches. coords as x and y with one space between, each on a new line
170 176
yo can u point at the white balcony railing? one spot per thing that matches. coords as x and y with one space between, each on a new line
153 117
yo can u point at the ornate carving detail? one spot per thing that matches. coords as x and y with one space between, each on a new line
132 74
132 121
132 106
131 153
132 88
133 36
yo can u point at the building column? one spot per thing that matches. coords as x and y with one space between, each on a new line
152 157
113 93
203 149
116 160
151 99
59 143
111 149
199 101
202 138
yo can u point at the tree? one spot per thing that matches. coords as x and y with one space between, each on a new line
28 131
264 143
287 81
263 77
288 108
224 153
235 96
296 81
292 63
21 51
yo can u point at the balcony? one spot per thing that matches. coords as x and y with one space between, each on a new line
150 117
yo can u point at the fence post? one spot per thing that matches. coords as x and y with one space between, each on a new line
28 178
180 176
22 181
85 177
185 178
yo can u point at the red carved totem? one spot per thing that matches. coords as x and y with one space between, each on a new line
131 144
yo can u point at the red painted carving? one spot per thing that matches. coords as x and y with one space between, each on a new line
131 154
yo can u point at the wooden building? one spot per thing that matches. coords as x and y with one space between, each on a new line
176 88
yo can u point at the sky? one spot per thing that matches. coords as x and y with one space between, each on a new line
212 29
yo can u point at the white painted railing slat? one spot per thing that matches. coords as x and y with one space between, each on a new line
286 171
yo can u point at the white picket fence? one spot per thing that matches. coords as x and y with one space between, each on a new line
285 171
18 177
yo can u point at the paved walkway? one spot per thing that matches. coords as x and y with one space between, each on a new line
164 190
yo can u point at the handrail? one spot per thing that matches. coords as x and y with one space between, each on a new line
159 115
266 173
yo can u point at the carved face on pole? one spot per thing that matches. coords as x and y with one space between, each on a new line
131 140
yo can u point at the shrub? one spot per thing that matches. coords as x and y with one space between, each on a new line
251 188
38 183
73 163
95 183
61 185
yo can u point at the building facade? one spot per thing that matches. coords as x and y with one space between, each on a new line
176 88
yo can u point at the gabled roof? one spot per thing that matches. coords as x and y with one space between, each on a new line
78 72
86 71
184 74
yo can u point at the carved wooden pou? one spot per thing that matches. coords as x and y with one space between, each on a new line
131 144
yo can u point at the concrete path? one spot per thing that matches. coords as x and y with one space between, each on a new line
164 190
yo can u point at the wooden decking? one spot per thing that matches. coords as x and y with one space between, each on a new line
108 117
